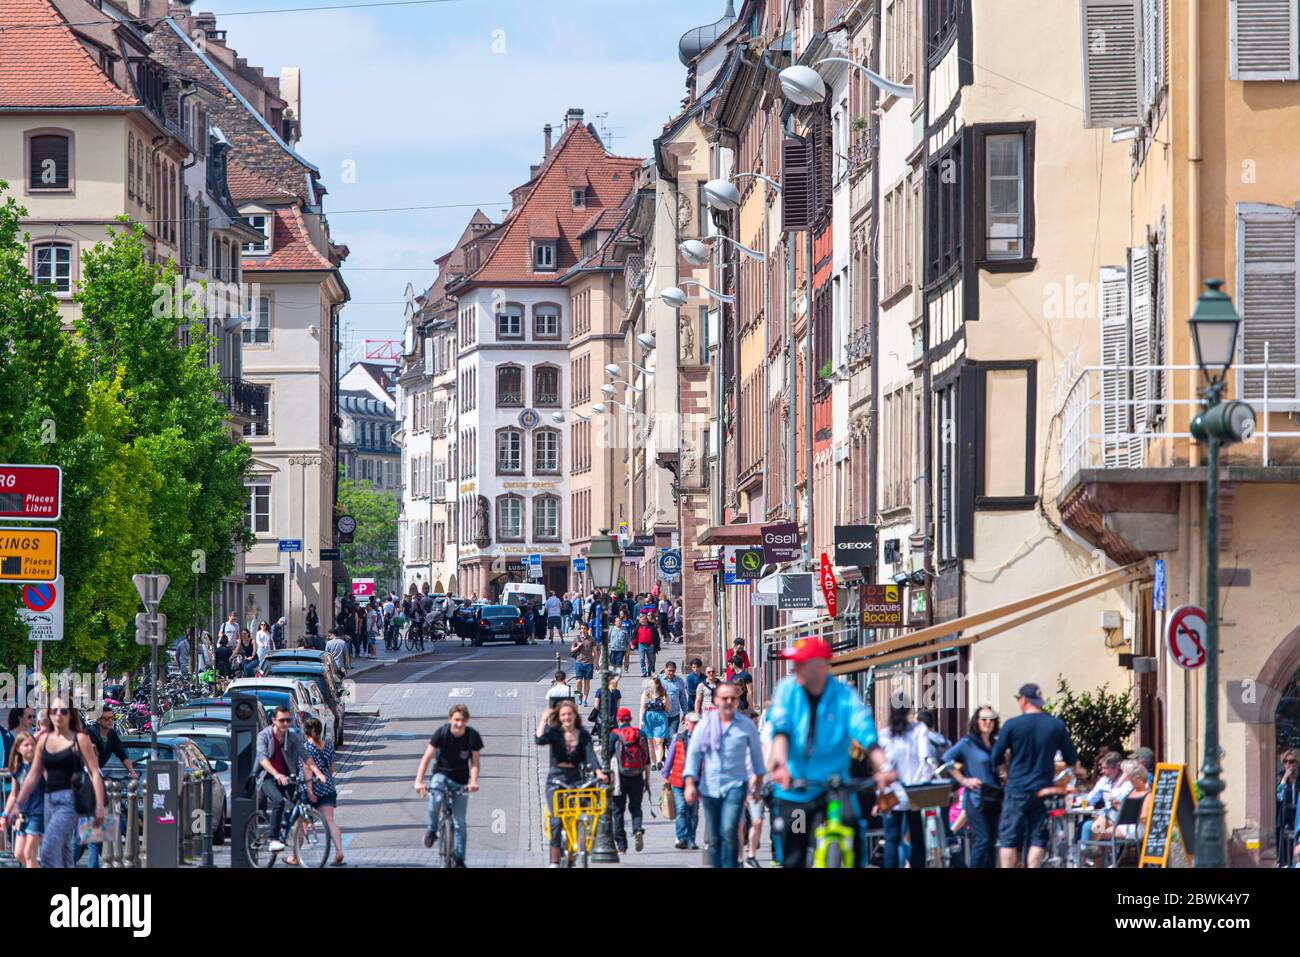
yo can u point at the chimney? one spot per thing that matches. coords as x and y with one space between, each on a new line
546 140
533 171
572 118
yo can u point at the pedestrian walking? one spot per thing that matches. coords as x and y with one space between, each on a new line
597 710
647 643
737 648
618 641
686 821
311 622
264 643
907 748
678 702
63 760
277 633
742 679
559 691
1033 738
584 650
539 621
705 691
231 628
723 760
630 763
566 614
654 718
553 618
321 791
982 798
665 617
340 651
560 729
225 652
694 678
27 817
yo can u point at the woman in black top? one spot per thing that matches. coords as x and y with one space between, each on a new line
571 749
61 754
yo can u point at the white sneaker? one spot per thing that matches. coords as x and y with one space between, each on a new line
276 847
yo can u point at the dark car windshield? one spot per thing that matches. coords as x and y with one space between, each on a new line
216 747
500 611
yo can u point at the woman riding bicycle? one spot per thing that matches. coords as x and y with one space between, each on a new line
571 750
322 793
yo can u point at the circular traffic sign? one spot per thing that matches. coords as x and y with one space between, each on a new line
1185 636
39 597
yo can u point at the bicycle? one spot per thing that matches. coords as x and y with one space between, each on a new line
393 636
833 838
446 824
414 637
308 835
578 809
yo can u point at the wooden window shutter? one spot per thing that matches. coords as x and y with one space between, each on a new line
1140 332
796 185
1112 63
1267 297
1115 391
823 160
1262 40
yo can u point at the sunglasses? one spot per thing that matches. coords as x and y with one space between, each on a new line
61 711
982 718
281 720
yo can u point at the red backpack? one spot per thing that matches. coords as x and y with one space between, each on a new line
632 757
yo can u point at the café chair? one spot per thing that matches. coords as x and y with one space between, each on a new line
1114 847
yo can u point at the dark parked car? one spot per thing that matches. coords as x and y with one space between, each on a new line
306 656
192 760
499 623
326 680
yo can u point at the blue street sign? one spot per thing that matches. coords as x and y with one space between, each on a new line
290 544
579 565
1158 587
535 561
670 562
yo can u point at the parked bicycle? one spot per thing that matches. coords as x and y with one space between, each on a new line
308 837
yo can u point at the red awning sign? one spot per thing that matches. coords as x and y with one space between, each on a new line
828 585
31 492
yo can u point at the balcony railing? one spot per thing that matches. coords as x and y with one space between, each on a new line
548 398
1103 428
509 399
244 399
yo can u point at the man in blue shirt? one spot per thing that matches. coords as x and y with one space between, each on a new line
678 703
724 752
1033 737
815 722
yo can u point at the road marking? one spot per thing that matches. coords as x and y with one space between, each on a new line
461 693
407 692
345 791
507 692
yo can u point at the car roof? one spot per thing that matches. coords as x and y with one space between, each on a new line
284 653
301 667
268 683
510 608
186 729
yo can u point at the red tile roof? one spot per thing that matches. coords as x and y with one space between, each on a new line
610 179
245 185
292 248
545 226
43 64
605 219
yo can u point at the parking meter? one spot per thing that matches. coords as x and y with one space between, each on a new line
243 755
162 814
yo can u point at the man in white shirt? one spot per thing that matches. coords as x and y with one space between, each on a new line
1109 791
559 691
340 650
231 629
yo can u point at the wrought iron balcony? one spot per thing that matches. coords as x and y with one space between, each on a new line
244 400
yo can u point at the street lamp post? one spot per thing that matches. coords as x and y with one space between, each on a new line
603 559
1215 324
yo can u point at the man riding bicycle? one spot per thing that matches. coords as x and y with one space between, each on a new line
815 722
455 751
280 752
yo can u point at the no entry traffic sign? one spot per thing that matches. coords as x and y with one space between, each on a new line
39 597
42 610
1185 636
31 492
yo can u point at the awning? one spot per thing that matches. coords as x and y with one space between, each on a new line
954 634
745 533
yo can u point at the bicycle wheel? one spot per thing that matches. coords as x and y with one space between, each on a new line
834 855
257 838
310 839
447 835
582 843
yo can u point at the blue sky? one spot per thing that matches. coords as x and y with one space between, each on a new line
445 103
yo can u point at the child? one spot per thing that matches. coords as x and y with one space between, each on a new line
30 822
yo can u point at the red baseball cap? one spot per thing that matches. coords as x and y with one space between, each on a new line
806 649
624 714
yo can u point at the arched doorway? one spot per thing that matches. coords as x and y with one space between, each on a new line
451 585
1271 709
437 587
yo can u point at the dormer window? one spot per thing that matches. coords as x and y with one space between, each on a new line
262 223
543 256
580 198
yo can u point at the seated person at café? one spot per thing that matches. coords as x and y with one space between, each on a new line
1134 774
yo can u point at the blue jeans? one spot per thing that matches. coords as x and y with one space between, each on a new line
895 821
721 821
647 659
984 834
459 805
60 829
566 623
688 817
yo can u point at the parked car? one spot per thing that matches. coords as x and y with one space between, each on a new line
172 747
211 732
271 699
306 697
323 681
500 623
307 655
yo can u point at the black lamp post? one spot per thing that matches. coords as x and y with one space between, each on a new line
603 560
1215 325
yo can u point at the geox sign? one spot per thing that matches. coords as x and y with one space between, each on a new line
855 545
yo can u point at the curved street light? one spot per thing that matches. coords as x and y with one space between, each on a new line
675 297
804 86
697 253
646 340
559 417
613 370
722 194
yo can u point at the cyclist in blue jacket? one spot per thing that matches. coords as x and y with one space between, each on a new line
815 722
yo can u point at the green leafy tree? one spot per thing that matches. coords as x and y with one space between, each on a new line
371 553
1097 720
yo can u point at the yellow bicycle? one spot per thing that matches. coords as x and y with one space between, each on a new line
578 810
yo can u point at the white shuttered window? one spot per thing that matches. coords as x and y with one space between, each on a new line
1262 38
1266 298
1112 63
1115 380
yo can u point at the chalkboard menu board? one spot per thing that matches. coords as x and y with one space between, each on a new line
1172 803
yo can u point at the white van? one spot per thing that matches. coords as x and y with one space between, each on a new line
523 594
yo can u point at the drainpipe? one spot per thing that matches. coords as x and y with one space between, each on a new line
1191 681
873 282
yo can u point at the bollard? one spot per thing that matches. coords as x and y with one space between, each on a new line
132 826
205 841
109 852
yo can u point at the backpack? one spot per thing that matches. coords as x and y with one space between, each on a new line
632 758
566 607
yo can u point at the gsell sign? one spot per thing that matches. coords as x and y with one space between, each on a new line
882 605
855 545
781 543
